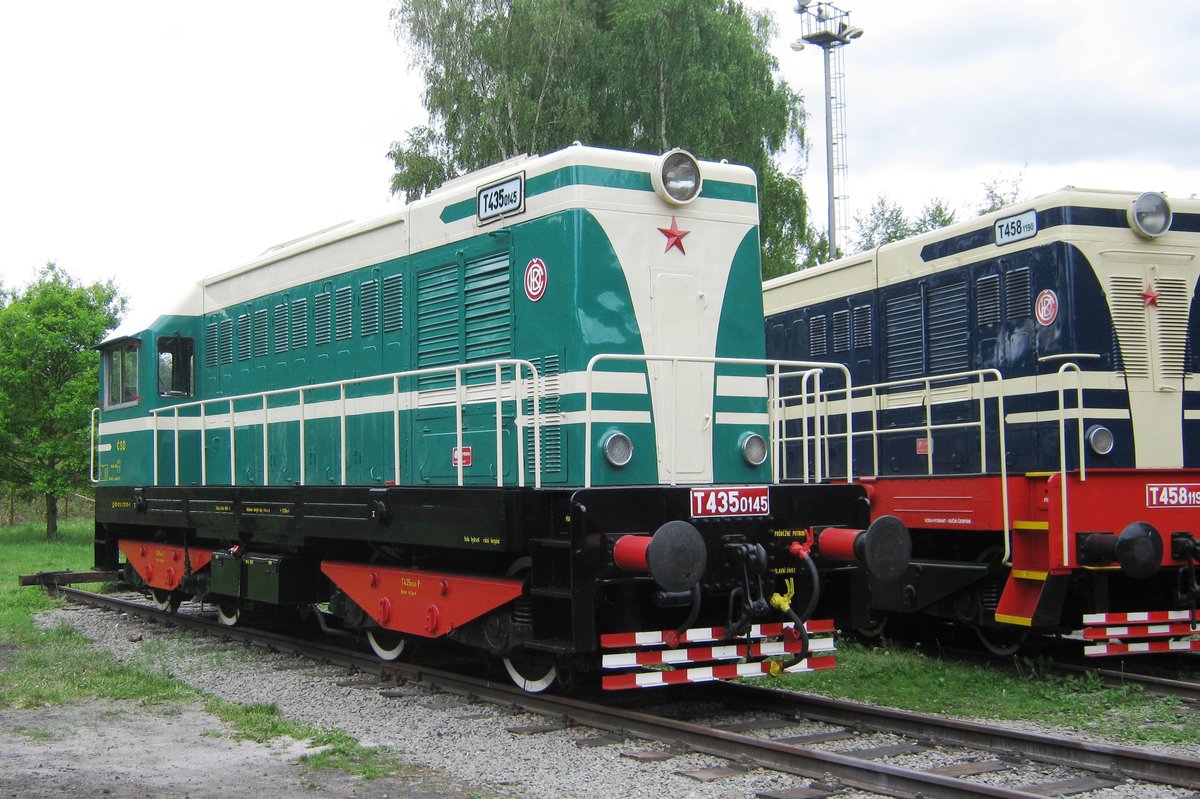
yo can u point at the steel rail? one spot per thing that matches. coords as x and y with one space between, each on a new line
1138 764
850 771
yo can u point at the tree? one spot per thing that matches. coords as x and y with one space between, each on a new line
1001 191
48 379
505 77
886 222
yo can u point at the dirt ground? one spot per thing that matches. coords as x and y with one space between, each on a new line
105 749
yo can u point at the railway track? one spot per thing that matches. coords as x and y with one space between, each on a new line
1124 672
834 745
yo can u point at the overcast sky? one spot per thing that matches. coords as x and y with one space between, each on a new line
158 142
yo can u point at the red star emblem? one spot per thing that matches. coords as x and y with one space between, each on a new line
1149 297
674 236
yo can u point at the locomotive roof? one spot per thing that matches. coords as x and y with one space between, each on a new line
448 214
926 252
444 216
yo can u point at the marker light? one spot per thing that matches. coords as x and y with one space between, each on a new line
618 449
1150 215
754 449
1100 439
676 177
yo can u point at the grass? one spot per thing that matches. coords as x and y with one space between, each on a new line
41 667
910 680
44 667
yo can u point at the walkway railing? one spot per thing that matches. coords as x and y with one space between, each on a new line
775 372
515 388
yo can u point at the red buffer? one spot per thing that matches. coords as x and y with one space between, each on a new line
163 566
424 603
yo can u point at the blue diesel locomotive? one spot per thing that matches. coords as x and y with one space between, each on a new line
1026 399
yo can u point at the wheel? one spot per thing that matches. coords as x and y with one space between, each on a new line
532 675
875 628
165 600
386 644
1001 641
228 613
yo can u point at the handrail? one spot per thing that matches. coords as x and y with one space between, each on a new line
92 430
1062 445
522 390
775 399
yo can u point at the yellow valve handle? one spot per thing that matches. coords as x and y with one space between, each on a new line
783 602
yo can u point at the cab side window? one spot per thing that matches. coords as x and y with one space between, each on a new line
121 371
176 359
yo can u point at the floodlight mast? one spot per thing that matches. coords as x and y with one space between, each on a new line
828 27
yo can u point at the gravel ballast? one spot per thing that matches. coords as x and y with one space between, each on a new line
468 747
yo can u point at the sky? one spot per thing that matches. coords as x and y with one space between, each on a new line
155 143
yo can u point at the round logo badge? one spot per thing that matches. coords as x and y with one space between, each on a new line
1046 307
535 279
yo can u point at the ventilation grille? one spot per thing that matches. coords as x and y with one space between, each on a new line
552 447
243 333
948 338
343 312
1017 304
281 327
841 331
487 308
300 324
321 312
393 303
210 345
368 303
225 341
987 300
818 344
260 333
862 327
437 317
1130 323
1172 327
905 345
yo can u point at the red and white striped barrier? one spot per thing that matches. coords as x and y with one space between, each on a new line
642 665
1125 633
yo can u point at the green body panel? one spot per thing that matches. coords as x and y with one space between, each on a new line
452 304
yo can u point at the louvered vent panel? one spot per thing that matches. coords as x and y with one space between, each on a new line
552 448
437 316
987 300
862 327
368 308
281 327
818 343
261 344
300 324
487 299
225 341
322 322
210 345
393 303
1172 327
343 312
905 337
1017 304
1129 319
243 335
841 331
948 351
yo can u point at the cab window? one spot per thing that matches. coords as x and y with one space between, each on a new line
176 357
121 370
